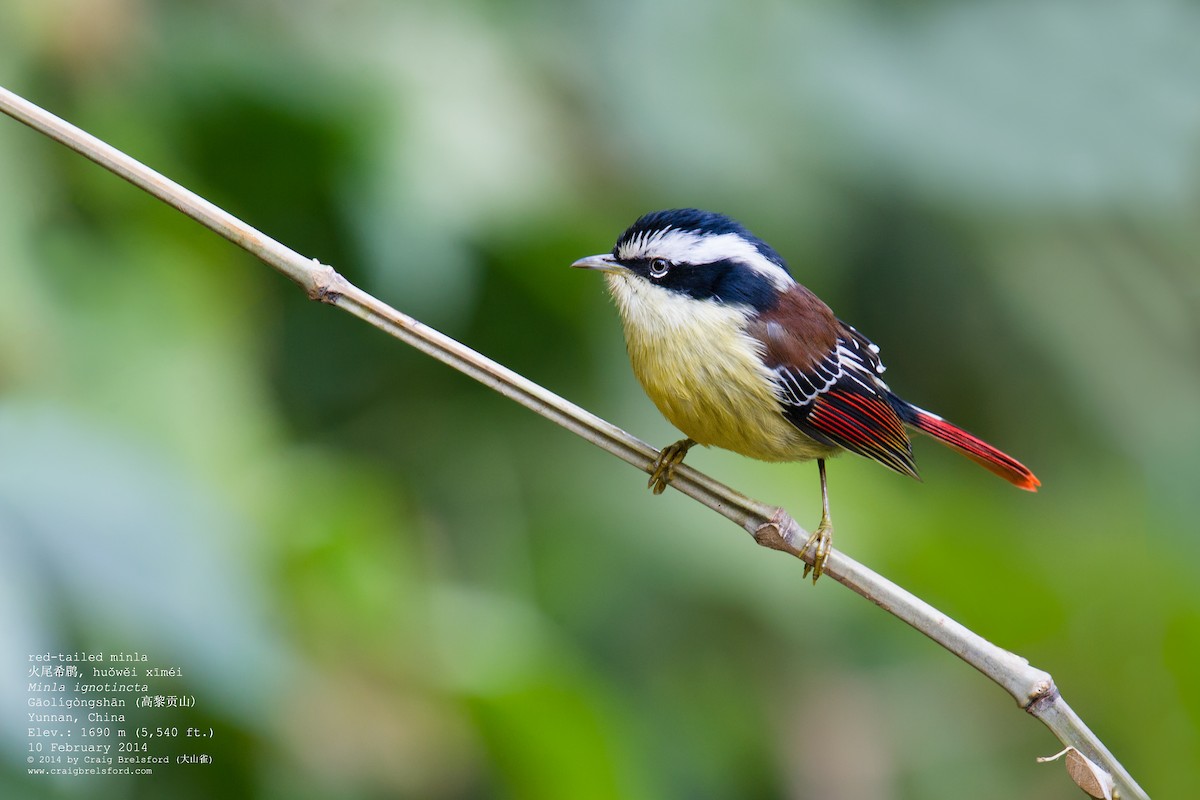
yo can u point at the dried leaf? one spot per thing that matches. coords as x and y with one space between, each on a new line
1086 774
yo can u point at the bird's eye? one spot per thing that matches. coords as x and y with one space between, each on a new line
659 267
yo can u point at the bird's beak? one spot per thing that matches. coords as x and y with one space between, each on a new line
605 262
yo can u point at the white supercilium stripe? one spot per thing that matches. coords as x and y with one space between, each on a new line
689 247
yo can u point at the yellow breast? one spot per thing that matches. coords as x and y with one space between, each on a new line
705 375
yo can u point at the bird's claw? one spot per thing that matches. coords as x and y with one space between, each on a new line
663 470
822 542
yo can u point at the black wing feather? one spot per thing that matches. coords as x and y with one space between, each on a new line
841 401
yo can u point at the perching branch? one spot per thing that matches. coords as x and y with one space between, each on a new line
772 527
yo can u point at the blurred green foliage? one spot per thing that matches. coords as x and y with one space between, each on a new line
384 581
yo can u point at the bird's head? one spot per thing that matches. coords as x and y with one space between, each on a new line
695 254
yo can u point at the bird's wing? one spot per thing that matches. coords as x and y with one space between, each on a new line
829 384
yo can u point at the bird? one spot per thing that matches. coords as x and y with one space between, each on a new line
737 354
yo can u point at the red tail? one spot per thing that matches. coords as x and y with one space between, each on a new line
974 448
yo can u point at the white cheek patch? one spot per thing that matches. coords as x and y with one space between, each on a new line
655 312
689 247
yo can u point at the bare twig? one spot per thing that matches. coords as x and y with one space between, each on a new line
772 527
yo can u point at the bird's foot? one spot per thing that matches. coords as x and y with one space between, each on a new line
822 541
664 466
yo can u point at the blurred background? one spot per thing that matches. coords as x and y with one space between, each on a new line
381 580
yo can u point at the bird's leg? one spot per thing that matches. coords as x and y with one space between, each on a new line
664 466
822 537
